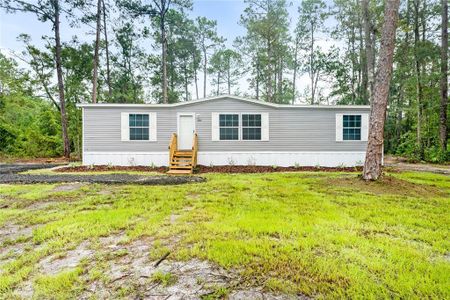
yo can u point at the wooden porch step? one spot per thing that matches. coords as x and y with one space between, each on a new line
182 155
179 172
181 167
181 163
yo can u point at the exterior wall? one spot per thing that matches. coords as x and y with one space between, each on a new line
297 135
281 159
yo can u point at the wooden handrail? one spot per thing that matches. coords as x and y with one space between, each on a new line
194 150
173 146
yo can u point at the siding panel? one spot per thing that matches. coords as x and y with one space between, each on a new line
290 129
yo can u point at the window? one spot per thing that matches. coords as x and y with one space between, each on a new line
251 127
229 126
352 128
139 127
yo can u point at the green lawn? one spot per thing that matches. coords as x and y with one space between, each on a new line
325 235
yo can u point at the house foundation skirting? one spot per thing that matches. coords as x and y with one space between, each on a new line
263 158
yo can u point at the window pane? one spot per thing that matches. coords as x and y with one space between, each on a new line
132 133
229 133
132 120
138 120
352 134
228 120
251 120
145 120
351 127
251 133
139 127
244 120
144 133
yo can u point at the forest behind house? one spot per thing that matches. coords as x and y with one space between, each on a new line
188 60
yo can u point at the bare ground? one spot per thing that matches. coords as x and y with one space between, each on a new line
130 273
401 164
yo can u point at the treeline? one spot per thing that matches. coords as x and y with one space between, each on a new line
187 59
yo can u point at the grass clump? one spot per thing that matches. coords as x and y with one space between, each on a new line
164 278
66 285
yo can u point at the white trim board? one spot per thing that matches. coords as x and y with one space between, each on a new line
262 158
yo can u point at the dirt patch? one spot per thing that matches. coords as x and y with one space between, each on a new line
52 265
16 168
100 178
388 185
11 232
25 290
38 160
131 272
259 294
67 187
402 164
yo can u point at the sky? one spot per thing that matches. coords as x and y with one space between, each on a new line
226 12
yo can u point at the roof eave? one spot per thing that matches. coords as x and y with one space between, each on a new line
274 105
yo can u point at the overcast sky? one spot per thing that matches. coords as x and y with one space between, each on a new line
225 12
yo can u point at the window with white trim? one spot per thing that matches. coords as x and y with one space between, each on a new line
351 128
228 127
251 127
139 127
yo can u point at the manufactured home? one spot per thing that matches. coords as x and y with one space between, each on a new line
224 130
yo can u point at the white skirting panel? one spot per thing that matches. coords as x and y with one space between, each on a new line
156 159
282 159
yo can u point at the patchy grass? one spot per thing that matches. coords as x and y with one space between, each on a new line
165 279
61 286
326 235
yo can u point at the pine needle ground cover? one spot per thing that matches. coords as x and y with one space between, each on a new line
321 235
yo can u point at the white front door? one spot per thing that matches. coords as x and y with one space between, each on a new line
186 129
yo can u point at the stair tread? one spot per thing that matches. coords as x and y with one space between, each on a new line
180 167
179 172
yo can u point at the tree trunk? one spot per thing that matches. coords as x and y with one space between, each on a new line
62 102
218 83
419 88
444 78
280 81
228 76
164 55
195 76
186 84
311 66
294 78
369 51
108 70
257 77
374 153
205 65
97 46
